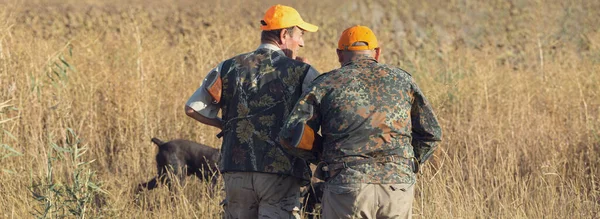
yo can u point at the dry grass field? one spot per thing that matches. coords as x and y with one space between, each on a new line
514 83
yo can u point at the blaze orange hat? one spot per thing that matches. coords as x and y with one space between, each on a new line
281 16
357 34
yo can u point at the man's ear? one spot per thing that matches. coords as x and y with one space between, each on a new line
340 55
283 34
377 53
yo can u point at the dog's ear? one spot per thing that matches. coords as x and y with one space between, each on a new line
157 141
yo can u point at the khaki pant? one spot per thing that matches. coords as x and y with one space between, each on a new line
250 195
367 201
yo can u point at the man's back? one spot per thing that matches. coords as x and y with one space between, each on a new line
366 113
259 90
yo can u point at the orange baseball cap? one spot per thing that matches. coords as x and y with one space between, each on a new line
357 34
281 16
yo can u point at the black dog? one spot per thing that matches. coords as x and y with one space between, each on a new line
200 160
183 158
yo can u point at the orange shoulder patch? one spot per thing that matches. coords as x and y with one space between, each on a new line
215 90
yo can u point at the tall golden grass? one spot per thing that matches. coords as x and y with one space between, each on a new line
515 85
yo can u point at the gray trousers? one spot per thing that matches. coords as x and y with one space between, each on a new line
250 195
367 201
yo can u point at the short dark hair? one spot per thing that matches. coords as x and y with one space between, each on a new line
273 35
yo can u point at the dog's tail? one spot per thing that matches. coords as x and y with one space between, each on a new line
157 141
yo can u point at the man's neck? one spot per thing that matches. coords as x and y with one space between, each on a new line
358 57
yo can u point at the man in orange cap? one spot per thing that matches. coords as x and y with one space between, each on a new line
255 93
377 128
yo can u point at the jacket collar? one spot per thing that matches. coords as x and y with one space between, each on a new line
270 47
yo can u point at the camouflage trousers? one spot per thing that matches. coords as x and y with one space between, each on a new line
367 201
251 195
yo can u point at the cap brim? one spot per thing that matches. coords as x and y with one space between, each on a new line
308 27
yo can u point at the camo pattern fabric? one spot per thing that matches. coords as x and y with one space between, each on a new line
365 110
259 90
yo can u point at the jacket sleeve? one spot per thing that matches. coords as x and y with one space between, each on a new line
201 101
303 123
426 131
311 74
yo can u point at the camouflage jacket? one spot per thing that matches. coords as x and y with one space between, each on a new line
259 89
365 110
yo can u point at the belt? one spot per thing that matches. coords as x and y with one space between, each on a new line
412 162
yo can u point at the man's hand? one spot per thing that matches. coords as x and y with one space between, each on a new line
302 59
